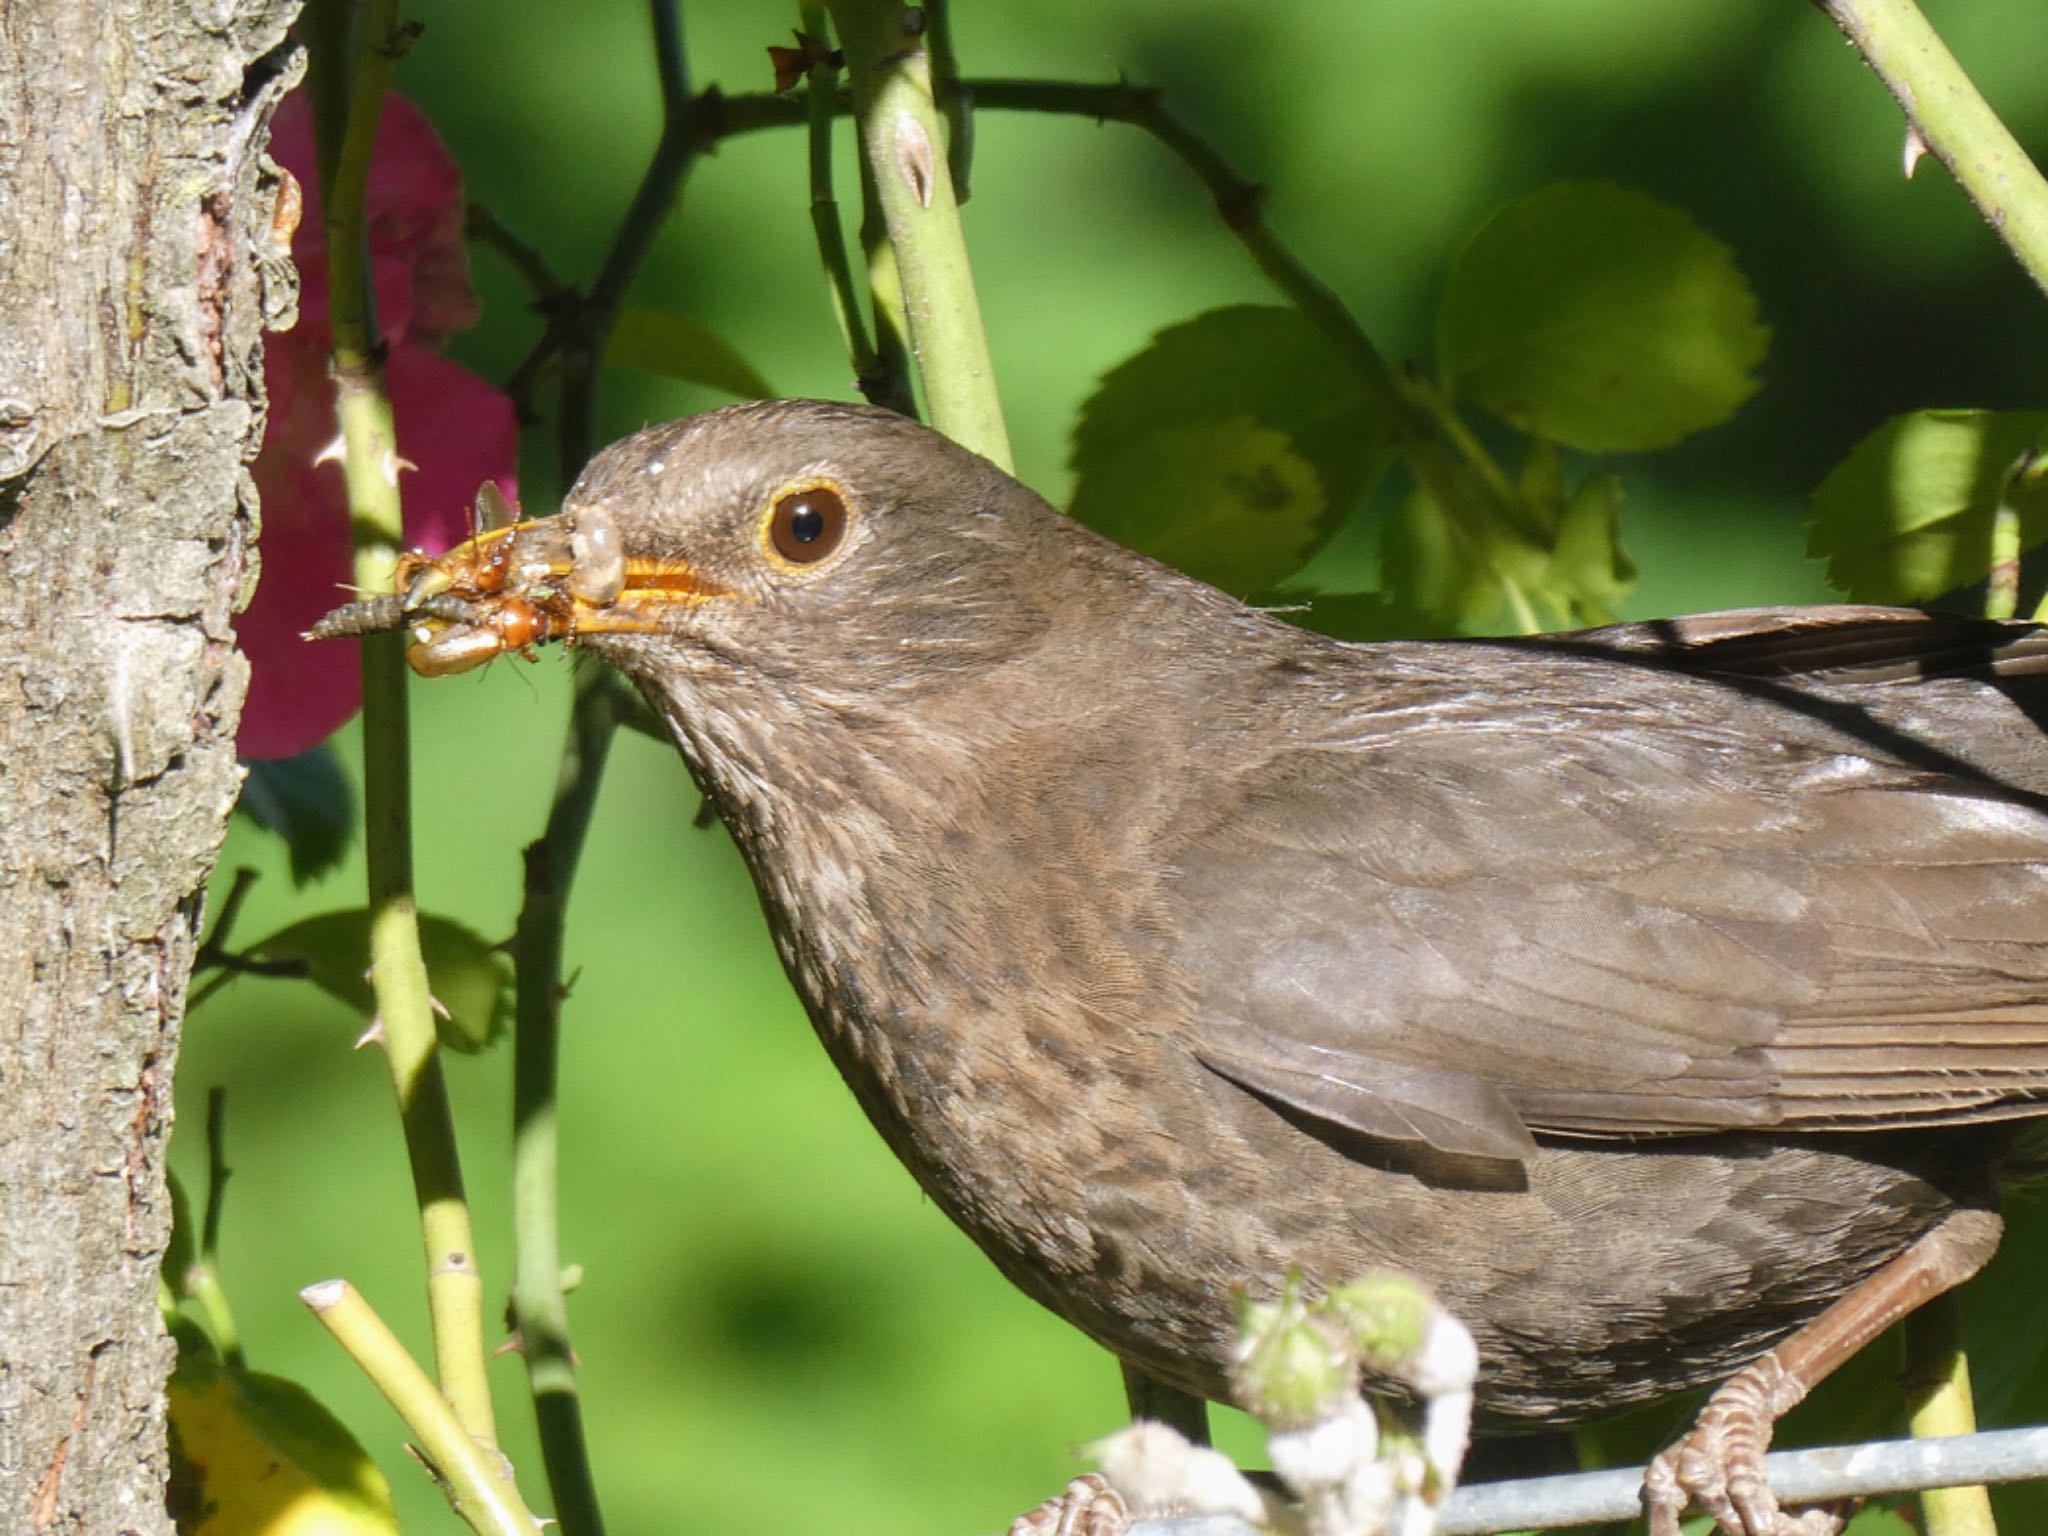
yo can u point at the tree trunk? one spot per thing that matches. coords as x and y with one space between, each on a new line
137 254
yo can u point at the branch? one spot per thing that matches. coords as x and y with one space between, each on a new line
540 1312
397 971
1945 113
475 1478
901 142
879 383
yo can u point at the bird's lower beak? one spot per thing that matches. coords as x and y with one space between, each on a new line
512 588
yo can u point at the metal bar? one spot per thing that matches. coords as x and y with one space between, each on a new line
1815 1476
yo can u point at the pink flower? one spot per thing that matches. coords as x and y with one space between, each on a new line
457 429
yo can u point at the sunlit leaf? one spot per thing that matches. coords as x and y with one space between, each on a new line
1535 563
468 975
1589 573
308 802
1250 393
677 347
1436 575
1600 318
1229 502
1907 516
256 1455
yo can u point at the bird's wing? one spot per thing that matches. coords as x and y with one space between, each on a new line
1620 900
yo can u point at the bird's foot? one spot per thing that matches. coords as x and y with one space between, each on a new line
1720 1464
1089 1507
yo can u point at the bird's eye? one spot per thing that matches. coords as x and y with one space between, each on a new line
807 525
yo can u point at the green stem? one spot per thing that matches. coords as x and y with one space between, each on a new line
885 300
1953 120
475 1477
825 224
902 143
539 1308
954 102
398 973
1938 1385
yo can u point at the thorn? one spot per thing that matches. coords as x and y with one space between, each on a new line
440 1008
515 1344
374 1035
1915 147
914 157
334 453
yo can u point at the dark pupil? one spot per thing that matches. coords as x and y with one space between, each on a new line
806 523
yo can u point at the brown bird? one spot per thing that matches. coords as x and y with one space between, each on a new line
1671 998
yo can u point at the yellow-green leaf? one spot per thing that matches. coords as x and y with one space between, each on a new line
677 347
1232 373
469 976
256 1455
1600 318
1229 502
1908 515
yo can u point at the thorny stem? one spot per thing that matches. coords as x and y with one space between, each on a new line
475 1477
370 467
539 1308
1945 110
901 142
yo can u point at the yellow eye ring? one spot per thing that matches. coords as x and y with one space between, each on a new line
805 524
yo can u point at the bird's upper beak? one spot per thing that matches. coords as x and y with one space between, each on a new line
509 589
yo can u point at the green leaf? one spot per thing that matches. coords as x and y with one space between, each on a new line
1437 578
306 800
469 977
1282 402
1563 564
1600 318
257 1455
1589 573
677 347
1907 516
1229 502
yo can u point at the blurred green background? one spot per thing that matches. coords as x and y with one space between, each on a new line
778 1332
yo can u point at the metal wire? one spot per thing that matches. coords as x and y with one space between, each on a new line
1817 1476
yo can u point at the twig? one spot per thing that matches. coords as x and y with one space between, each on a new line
540 1313
900 141
956 104
486 228
475 1477
820 100
200 1292
885 299
539 1310
1945 111
398 973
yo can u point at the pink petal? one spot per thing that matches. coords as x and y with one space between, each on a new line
454 425
418 261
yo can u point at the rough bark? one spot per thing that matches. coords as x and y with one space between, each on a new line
137 254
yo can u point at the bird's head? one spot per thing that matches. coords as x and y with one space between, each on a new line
815 545
839 551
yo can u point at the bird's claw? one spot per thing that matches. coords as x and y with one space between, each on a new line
1719 1465
1088 1507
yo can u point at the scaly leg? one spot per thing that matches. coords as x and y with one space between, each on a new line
1720 1464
